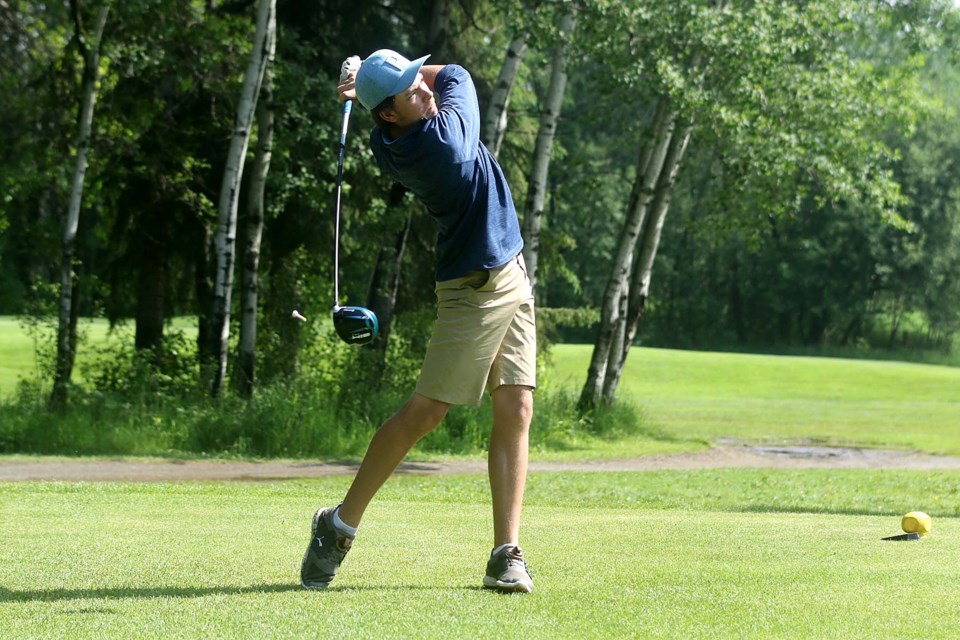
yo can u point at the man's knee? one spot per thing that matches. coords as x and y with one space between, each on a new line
514 402
422 414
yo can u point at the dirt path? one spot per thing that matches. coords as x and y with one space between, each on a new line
723 455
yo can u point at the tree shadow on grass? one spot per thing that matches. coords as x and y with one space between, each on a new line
138 593
135 593
817 510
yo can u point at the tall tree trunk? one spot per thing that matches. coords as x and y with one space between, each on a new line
226 237
537 188
495 119
649 242
382 296
283 283
441 22
615 296
203 290
154 239
250 287
67 328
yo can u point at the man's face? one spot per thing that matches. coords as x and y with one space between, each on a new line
414 104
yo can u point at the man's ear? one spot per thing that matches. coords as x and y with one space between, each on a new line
389 115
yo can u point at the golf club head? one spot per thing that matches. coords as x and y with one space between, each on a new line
355 325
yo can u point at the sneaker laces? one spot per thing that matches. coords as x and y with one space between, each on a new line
514 558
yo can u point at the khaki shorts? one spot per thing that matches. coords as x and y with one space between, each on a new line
485 336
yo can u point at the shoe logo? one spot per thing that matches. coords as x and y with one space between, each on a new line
319 542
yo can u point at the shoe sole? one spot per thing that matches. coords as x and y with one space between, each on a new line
506 587
313 534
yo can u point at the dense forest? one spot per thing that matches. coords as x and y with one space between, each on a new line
698 174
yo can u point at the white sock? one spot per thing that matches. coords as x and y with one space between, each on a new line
341 526
503 546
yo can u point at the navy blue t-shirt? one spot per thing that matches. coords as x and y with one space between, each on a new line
442 161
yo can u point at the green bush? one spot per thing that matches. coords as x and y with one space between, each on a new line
145 403
286 419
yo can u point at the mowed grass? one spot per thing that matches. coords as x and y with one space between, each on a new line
700 554
760 398
16 355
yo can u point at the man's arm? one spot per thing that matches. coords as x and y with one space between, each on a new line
429 72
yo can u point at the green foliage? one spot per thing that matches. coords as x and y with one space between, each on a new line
561 324
146 376
826 275
139 403
283 420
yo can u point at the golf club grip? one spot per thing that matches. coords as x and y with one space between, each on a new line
347 106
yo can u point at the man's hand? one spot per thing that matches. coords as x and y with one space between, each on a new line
348 78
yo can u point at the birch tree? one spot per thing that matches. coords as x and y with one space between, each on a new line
250 282
67 326
225 240
782 99
647 242
546 132
495 118
613 309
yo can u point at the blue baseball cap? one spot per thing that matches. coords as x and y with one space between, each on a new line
383 74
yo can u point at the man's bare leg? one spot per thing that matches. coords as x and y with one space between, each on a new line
418 417
507 460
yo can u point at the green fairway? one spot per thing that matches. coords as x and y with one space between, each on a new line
698 395
719 554
16 355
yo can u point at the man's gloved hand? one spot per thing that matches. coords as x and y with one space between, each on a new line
348 77
349 68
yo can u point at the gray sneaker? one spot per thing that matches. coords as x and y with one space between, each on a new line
507 571
325 552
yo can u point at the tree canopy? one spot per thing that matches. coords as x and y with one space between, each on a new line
814 200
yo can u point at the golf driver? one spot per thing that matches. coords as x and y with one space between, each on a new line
354 325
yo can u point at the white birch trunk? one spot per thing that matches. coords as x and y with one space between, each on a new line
495 119
614 306
649 242
226 237
537 187
67 330
254 228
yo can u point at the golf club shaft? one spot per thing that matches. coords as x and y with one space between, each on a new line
347 105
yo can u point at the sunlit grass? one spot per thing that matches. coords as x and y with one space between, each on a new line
701 395
693 556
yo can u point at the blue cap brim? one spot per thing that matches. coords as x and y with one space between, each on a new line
409 75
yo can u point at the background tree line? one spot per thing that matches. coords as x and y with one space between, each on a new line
711 173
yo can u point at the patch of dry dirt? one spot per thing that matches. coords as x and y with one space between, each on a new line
723 455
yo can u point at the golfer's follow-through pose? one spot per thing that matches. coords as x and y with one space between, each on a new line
484 336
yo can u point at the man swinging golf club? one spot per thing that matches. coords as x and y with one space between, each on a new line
484 336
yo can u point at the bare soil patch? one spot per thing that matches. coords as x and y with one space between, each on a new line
727 454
